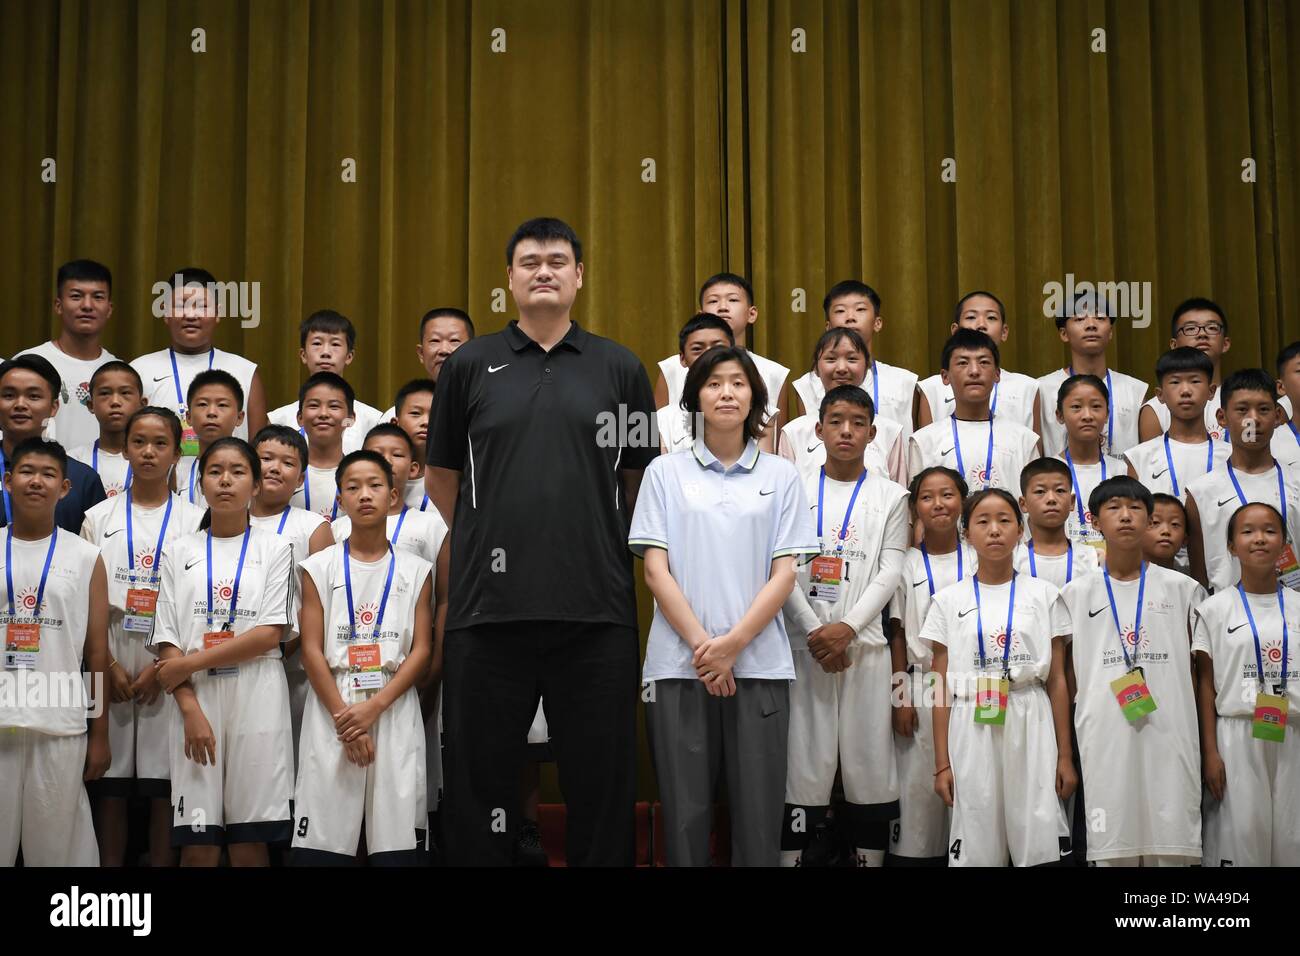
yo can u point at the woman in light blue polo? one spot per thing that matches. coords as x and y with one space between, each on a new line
719 525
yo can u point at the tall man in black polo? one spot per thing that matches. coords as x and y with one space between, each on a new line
530 467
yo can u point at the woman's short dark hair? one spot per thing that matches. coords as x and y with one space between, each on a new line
703 367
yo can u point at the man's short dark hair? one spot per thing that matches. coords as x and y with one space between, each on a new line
283 434
544 229
1120 486
1070 307
117 365
1042 466
727 278
1182 360
192 275
329 380
327 322
847 287
1288 353
447 312
36 445
852 394
215 376
969 340
38 364
414 387
1196 304
700 321
1242 380
83 270
360 455
961 305
389 430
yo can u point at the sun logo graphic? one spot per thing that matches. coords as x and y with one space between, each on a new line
1133 640
144 559
225 590
83 395
850 535
1272 653
26 602
981 476
367 614
999 641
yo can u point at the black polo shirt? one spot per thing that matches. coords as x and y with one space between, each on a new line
540 531
87 491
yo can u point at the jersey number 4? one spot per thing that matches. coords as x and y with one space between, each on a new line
955 849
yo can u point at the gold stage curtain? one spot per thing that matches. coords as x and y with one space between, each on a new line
795 168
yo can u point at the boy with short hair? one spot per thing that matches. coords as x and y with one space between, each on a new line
1086 328
1286 437
367 629
840 703
1165 540
987 452
83 302
442 331
1197 324
1015 395
731 298
1187 449
1135 712
1047 499
1250 473
54 610
115 395
328 341
411 409
190 314
325 403
29 395
853 304
701 332
215 402
282 452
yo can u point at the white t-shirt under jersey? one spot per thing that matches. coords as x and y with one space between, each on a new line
160 386
1081 530
1286 445
1040 616
893 397
1060 569
75 424
1221 629
110 466
416 497
422 532
64 613
1013 397
916 591
879 523
265 596
1217 432
364 418
1128 394
773 374
800 444
1014 446
318 493
1145 776
368 577
674 429
1152 465
188 480
105 527
1216 500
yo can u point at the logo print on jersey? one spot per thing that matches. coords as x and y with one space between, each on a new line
852 534
83 395
1134 641
366 614
144 559
999 642
27 601
980 476
224 590
1272 652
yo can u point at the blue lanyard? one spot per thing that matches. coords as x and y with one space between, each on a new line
993 408
239 570
425 503
821 500
45 572
988 460
1295 432
1069 564
875 388
383 600
1169 460
176 375
979 623
157 548
94 464
284 516
1281 489
929 577
193 465
1110 409
1259 657
398 530
306 498
9 514
1130 663
1074 480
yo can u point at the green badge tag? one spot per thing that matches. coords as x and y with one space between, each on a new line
991 700
1270 718
1133 695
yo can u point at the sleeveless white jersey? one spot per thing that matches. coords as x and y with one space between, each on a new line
800 444
1013 398
1014 446
160 385
1126 400
1216 500
111 467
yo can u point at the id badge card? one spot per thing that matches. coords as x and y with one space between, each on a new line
1270 718
216 639
141 603
824 581
1133 695
22 645
365 668
991 700
1288 568
189 437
